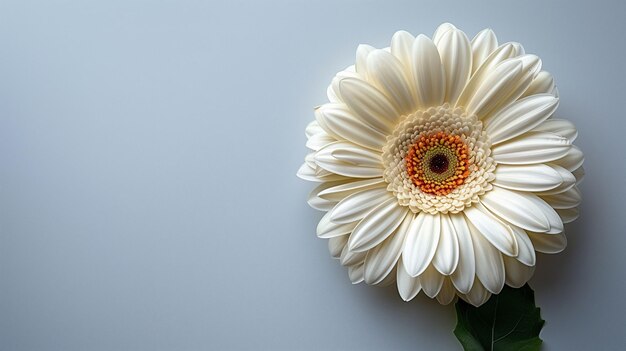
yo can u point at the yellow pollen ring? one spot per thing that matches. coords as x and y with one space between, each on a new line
438 163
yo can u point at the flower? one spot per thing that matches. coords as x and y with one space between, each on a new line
441 166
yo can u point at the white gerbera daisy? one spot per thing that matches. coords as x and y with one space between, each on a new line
441 166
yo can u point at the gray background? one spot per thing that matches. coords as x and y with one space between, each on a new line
148 198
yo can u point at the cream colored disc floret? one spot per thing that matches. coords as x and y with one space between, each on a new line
451 192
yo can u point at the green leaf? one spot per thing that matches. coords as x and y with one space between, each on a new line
508 321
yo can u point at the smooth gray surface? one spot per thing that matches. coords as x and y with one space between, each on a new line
148 198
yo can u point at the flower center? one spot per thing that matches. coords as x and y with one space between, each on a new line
438 160
438 163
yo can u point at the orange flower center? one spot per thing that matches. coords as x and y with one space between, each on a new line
438 163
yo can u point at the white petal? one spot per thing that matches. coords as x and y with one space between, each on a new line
572 159
408 286
517 274
556 224
447 293
567 181
492 229
305 172
478 295
353 154
567 199
456 58
568 215
387 74
390 279
560 127
520 117
431 281
519 208
355 206
428 73
495 88
441 30
519 49
483 44
503 85
402 47
309 159
369 104
312 129
333 93
341 123
526 253
447 256
318 174
489 263
381 260
377 225
327 229
537 177
531 67
343 189
463 276
542 84
326 176
350 258
501 54
579 174
362 52
530 204
349 160
356 273
549 244
421 242
533 147
319 140
336 245
319 203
